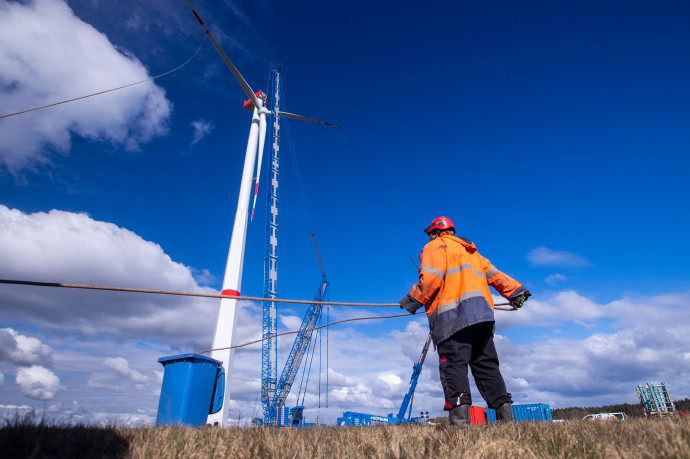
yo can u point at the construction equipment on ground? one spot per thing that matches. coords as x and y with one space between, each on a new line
524 413
656 401
351 418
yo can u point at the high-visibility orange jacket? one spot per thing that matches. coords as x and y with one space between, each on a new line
454 284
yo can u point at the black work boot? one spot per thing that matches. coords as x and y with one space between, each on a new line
460 415
504 412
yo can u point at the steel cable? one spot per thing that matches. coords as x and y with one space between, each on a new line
109 90
308 329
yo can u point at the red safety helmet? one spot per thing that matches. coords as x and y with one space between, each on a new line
440 223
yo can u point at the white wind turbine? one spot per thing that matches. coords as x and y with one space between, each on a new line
227 318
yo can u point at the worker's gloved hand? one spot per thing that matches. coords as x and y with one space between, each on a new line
410 305
519 300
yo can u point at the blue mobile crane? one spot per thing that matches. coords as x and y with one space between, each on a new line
351 418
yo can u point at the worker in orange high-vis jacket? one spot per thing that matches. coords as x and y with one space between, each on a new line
453 288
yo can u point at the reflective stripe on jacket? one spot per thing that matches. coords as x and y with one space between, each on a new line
454 284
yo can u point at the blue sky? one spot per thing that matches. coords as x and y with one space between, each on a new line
554 135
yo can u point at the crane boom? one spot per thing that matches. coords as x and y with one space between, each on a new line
318 255
299 347
416 371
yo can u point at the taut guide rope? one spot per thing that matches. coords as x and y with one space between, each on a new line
233 297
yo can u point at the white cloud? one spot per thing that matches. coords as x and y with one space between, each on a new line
66 247
121 366
543 256
48 55
617 345
23 350
38 382
203 276
290 322
553 279
392 380
10 412
645 342
201 129
101 381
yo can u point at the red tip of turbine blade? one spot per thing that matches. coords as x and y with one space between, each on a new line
329 124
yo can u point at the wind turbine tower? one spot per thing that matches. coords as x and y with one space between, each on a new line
227 315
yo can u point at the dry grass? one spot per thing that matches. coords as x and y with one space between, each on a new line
606 439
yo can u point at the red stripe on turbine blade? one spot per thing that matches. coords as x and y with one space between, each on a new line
256 190
329 124
230 292
198 18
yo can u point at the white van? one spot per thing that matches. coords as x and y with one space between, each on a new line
605 416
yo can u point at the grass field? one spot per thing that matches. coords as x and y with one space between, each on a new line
659 438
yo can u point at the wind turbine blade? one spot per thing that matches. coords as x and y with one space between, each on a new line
238 76
300 117
262 139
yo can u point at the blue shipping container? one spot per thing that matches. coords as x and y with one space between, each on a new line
530 412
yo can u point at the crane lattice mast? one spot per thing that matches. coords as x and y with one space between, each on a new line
269 350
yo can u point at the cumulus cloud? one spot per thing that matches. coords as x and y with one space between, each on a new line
47 55
644 343
38 382
290 322
116 377
23 350
543 256
69 247
121 366
615 346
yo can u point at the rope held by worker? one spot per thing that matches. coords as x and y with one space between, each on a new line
201 295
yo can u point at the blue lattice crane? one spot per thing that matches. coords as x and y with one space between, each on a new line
299 348
269 347
274 392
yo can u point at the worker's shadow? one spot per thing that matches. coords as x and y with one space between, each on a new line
40 441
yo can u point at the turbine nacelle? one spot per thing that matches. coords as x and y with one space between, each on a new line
249 103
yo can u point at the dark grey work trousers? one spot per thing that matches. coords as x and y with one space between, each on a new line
473 346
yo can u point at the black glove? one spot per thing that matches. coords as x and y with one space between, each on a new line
410 305
519 300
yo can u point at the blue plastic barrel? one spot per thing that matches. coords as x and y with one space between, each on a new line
193 387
